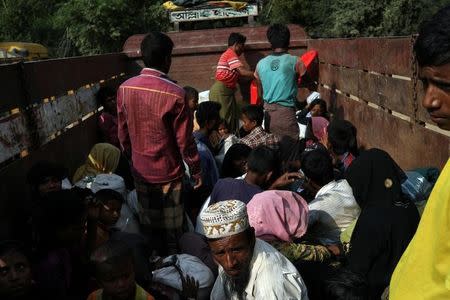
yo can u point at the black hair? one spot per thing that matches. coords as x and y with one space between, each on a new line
207 111
108 194
104 93
236 38
236 151
262 160
11 246
254 113
432 47
58 210
318 166
342 137
111 252
156 47
323 107
42 169
190 92
63 208
279 36
346 285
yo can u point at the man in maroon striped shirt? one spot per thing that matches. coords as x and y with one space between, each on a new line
155 129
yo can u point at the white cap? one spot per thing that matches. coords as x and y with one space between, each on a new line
224 218
313 96
109 181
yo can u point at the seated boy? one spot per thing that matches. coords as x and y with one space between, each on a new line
114 271
104 212
342 143
334 207
252 118
262 167
208 118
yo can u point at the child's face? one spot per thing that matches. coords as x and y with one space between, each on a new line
248 125
49 184
193 103
110 212
118 281
316 111
15 276
223 130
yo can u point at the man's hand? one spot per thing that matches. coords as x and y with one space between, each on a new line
198 183
190 287
285 179
246 73
335 249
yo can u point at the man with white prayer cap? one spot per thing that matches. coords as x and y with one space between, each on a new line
249 268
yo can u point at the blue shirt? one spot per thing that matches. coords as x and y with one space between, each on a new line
210 173
231 188
278 76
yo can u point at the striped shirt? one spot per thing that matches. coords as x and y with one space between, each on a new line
155 127
227 68
331 212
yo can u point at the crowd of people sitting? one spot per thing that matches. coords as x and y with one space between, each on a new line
210 200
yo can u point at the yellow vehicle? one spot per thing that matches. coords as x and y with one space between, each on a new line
14 51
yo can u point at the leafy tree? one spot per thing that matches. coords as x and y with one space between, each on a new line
96 26
352 18
29 21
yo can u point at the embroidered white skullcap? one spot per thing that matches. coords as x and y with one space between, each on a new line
313 96
224 218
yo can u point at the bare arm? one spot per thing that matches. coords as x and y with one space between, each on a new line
246 73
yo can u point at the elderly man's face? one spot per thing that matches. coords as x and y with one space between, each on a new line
436 81
233 253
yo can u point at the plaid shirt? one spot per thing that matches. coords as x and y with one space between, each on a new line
155 127
259 137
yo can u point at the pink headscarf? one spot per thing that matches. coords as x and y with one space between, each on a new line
278 215
319 126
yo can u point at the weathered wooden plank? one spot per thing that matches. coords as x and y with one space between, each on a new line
13 136
48 78
11 94
409 144
381 55
392 93
56 115
69 149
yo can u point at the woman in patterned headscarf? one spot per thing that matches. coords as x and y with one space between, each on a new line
103 159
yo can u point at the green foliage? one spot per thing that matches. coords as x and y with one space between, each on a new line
83 26
352 18
28 21
96 26
70 27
